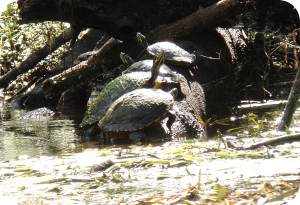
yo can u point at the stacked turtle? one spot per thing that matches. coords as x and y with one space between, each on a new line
133 102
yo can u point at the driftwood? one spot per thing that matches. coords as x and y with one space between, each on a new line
35 58
291 137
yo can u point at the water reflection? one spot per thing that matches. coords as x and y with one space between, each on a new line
34 137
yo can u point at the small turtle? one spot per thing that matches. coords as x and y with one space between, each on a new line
174 54
136 110
118 87
166 75
126 59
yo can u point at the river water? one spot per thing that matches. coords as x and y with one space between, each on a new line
30 138
43 162
57 135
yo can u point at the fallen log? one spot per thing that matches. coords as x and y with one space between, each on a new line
123 18
120 18
201 20
174 30
180 20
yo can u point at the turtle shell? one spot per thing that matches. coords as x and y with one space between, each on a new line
137 110
174 54
111 92
166 75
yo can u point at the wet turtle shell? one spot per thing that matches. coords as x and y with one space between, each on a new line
174 54
137 110
166 75
111 92
118 87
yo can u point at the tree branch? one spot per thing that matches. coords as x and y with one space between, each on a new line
35 58
82 71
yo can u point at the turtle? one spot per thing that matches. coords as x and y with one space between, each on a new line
137 110
126 59
174 54
120 86
191 90
166 75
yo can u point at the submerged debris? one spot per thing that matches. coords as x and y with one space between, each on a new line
38 114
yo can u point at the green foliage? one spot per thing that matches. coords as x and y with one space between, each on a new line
287 130
275 46
19 41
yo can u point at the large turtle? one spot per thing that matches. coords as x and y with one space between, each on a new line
136 110
174 54
191 90
120 86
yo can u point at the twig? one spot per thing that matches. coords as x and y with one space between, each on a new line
266 142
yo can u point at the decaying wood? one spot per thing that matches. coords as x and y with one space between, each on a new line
35 58
86 69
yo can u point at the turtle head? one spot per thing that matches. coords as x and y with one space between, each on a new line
174 92
142 40
126 59
158 60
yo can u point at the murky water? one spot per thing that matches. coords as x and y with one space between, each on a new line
139 172
30 138
57 135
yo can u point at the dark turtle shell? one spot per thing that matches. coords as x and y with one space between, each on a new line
166 75
137 110
111 92
174 54
119 86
